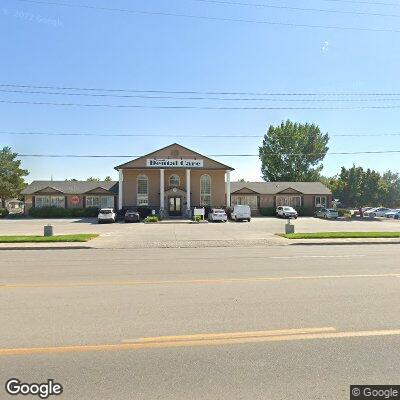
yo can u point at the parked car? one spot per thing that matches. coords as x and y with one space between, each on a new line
106 215
377 212
286 212
132 216
217 214
327 213
241 212
395 214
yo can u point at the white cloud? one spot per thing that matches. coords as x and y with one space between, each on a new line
325 47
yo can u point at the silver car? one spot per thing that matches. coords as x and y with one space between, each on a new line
327 213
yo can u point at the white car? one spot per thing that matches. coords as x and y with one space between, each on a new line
286 212
241 212
106 215
377 212
217 214
395 214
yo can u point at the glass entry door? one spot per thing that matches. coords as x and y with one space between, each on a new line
174 206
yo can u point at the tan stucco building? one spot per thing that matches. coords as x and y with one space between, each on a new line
174 179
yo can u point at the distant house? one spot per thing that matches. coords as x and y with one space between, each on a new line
70 194
273 194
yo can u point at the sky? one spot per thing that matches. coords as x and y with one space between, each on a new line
48 45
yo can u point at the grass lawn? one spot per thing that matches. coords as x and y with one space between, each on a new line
80 237
341 235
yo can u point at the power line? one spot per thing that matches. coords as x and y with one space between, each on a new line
369 98
368 3
175 107
230 135
321 10
209 155
202 92
208 18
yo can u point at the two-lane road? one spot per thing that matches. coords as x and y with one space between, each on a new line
240 323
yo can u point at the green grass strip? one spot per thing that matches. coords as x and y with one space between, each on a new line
342 235
80 237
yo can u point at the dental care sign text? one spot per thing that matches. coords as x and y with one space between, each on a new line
174 163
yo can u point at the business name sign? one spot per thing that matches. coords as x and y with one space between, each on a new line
174 163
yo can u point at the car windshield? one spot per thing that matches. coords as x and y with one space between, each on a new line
219 212
288 208
331 210
105 211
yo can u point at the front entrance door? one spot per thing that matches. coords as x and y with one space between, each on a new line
174 207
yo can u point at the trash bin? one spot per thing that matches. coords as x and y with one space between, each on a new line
48 230
289 228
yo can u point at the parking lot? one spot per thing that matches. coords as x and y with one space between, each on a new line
126 235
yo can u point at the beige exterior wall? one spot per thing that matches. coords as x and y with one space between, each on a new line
70 204
28 200
129 186
267 200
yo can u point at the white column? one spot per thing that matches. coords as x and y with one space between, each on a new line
120 194
161 189
188 189
228 188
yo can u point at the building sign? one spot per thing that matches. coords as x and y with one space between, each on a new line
174 163
75 200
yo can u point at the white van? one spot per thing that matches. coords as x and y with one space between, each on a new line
241 212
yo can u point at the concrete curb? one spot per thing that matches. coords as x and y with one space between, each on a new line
41 247
339 242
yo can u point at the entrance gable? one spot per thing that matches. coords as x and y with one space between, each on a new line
174 156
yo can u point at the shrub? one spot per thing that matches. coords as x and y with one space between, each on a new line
151 218
305 211
268 211
343 212
144 211
3 212
197 218
54 212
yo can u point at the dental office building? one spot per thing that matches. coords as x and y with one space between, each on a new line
173 179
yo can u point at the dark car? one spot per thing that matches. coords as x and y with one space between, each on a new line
132 216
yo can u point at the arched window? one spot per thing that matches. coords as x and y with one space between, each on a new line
174 180
205 190
142 190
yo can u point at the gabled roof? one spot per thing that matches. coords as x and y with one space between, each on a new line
136 163
277 187
72 187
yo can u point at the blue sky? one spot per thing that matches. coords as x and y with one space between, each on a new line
58 46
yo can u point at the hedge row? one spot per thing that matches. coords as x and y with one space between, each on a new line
54 212
3 212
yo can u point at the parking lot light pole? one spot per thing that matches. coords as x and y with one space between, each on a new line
188 189
161 189
121 178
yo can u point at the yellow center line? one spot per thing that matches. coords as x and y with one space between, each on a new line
185 342
191 281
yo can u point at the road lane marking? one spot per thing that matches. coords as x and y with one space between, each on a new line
191 281
198 342
230 335
319 256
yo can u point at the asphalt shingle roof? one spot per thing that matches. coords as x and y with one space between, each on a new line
71 187
276 187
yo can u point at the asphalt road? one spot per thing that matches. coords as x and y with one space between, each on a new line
262 323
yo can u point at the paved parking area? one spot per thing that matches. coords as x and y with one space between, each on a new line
258 231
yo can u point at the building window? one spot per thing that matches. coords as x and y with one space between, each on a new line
174 181
205 190
291 201
320 201
251 201
142 190
50 201
100 201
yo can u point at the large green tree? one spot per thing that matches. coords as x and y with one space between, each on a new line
356 187
293 152
391 183
11 175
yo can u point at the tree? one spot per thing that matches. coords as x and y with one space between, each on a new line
107 179
357 187
293 152
11 175
391 183
92 179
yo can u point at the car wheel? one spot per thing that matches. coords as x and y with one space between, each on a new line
325 216
249 219
373 215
